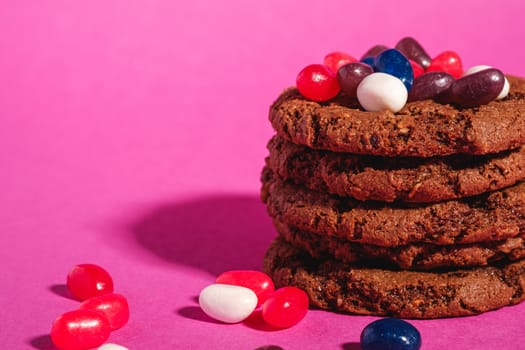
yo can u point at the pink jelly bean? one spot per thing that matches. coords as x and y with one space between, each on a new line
259 282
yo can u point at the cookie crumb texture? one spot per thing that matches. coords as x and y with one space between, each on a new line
421 129
416 180
408 294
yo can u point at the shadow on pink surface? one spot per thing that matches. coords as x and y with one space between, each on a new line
215 233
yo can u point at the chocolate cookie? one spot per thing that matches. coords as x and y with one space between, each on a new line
418 180
408 294
421 129
415 256
488 217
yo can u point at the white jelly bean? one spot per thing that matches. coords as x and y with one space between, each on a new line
506 86
227 303
380 91
110 346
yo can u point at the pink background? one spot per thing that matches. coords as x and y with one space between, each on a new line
133 133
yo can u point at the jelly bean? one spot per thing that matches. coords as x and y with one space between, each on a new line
286 307
88 280
336 60
259 282
374 51
380 91
416 68
390 334
317 82
414 51
393 62
506 87
477 88
430 85
114 307
110 346
350 75
447 61
369 61
80 329
227 303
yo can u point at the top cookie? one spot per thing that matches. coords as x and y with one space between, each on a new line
421 129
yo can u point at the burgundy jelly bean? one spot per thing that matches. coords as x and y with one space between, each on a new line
374 51
430 86
414 51
478 88
350 75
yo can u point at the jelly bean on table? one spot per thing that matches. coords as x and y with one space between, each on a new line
88 280
80 329
259 282
114 307
227 303
317 82
286 307
390 334
110 346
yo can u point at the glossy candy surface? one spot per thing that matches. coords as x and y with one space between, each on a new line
114 307
286 307
477 88
350 75
227 303
416 68
374 51
390 334
80 329
317 82
448 61
259 282
430 85
88 280
336 60
110 346
506 87
393 62
381 91
414 51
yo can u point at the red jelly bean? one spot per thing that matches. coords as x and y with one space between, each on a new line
113 306
414 51
286 307
85 281
350 75
448 62
259 282
336 60
317 82
477 88
80 329
416 68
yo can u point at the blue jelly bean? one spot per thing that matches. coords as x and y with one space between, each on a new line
390 334
393 62
368 60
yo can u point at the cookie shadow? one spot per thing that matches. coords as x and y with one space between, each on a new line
214 233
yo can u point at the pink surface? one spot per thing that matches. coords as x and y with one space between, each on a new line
132 136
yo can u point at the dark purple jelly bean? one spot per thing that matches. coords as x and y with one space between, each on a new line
393 62
351 74
478 88
430 85
414 51
374 51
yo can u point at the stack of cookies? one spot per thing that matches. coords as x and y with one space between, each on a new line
415 214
